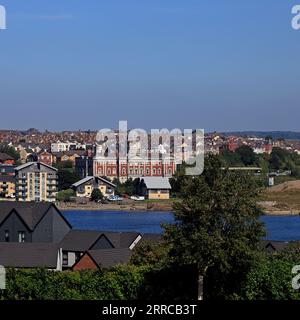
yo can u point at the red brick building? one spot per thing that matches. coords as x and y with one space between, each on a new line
124 169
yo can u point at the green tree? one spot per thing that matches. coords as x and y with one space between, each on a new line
65 195
150 253
247 155
217 226
5 148
96 195
271 277
66 175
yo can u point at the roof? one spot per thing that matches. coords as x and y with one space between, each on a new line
80 240
28 164
83 240
110 257
5 156
28 255
30 212
156 182
69 153
89 178
121 239
82 181
4 178
276 245
150 237
106 181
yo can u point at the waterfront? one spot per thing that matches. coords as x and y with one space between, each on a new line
281 228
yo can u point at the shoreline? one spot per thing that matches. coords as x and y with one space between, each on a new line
282 213
145 207
153 207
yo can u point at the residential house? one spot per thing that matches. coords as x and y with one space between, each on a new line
7 169
78 242
31 255
105 258
67 156
274 246
24 153
85 187
6 159
46 158
32 222
36 181
7 187
156 187
59 147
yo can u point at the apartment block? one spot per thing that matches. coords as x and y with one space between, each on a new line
36 181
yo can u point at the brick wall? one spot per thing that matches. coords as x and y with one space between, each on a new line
85 263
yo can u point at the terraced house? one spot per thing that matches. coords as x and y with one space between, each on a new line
32 222
36 181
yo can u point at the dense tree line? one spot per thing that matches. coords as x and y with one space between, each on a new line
124 282
279 160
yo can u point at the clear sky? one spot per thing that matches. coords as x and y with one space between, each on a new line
85 64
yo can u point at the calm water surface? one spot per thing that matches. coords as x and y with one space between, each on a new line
278 228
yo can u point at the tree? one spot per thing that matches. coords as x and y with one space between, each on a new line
150 253
271 277
5 148
65 195
247 155
66 175
96 195
217 226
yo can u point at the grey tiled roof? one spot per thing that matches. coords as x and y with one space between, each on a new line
28 255
79 240
110 257
156 182
5 156
30 212
4 178
83 240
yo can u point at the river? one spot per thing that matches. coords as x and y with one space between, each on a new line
283 228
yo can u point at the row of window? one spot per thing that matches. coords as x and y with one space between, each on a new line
21 236
134 171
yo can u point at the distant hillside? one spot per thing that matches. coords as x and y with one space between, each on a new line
287 135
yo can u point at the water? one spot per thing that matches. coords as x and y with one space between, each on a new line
143 222
283 228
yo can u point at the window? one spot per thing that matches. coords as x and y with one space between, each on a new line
6 236
21 236
77 256
65 258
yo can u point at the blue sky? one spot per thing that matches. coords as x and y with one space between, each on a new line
218 65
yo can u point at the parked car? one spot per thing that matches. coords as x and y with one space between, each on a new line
114 198
137 198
